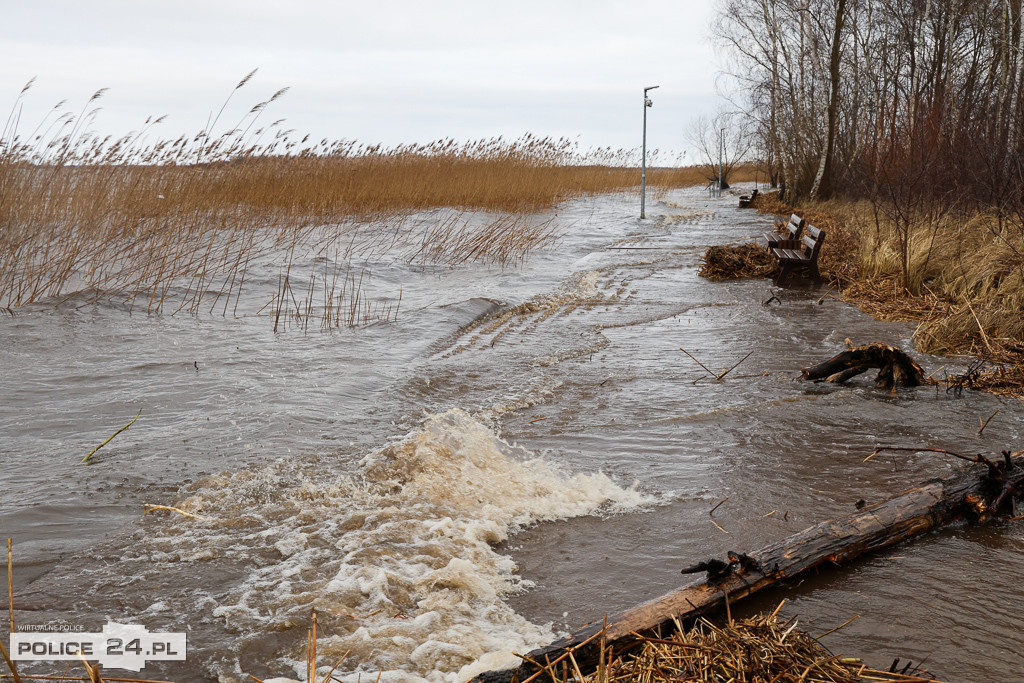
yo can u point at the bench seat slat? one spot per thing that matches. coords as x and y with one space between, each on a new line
790 255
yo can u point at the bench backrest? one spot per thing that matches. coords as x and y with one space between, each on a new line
794 226
812 239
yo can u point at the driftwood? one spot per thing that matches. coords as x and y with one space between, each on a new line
895 368
976 493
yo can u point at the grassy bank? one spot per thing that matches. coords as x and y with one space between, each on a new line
958 274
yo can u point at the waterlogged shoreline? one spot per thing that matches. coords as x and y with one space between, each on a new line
520 452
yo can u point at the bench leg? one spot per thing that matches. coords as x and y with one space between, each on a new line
784 270
815 273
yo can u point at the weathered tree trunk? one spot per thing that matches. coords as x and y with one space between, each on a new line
975 493
895 368
822 187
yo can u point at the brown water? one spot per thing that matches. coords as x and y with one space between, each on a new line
522 451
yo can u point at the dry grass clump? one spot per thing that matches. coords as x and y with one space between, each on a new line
757 650
729 262
964 278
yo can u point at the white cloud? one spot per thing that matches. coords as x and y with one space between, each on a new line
387 71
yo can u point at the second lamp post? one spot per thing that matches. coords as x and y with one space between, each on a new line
643 162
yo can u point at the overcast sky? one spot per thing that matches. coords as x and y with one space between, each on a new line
388 71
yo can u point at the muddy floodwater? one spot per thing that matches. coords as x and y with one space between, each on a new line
521 451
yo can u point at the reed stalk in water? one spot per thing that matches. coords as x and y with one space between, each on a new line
175 225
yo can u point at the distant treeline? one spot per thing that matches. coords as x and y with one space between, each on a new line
905 102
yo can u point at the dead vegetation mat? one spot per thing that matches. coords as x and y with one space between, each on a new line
760 649
734 261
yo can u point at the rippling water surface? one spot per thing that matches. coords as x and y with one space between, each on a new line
522 451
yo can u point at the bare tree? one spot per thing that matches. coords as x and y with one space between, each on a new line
719 144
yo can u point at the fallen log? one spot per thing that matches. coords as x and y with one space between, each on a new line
976 493
895 368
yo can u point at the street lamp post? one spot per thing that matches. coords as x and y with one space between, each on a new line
721 153
643 162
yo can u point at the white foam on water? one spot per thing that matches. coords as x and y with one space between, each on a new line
398 558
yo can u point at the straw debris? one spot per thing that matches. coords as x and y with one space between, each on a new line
730 262
757 650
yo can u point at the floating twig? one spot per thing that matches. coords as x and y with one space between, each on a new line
106 679
150 507
825 295
735 366
10 582
86 458
985 423
845 623
698 362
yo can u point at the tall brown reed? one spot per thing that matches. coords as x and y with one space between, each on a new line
175 225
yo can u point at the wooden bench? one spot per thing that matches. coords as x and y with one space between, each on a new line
747 199
803 254
792 236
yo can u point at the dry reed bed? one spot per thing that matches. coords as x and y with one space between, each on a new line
175 225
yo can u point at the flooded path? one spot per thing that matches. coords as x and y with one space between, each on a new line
522 451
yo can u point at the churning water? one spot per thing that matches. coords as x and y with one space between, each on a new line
522 451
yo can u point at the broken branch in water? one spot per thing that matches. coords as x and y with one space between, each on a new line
735 366
979 458
698 362
150 507
970 494
86 458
